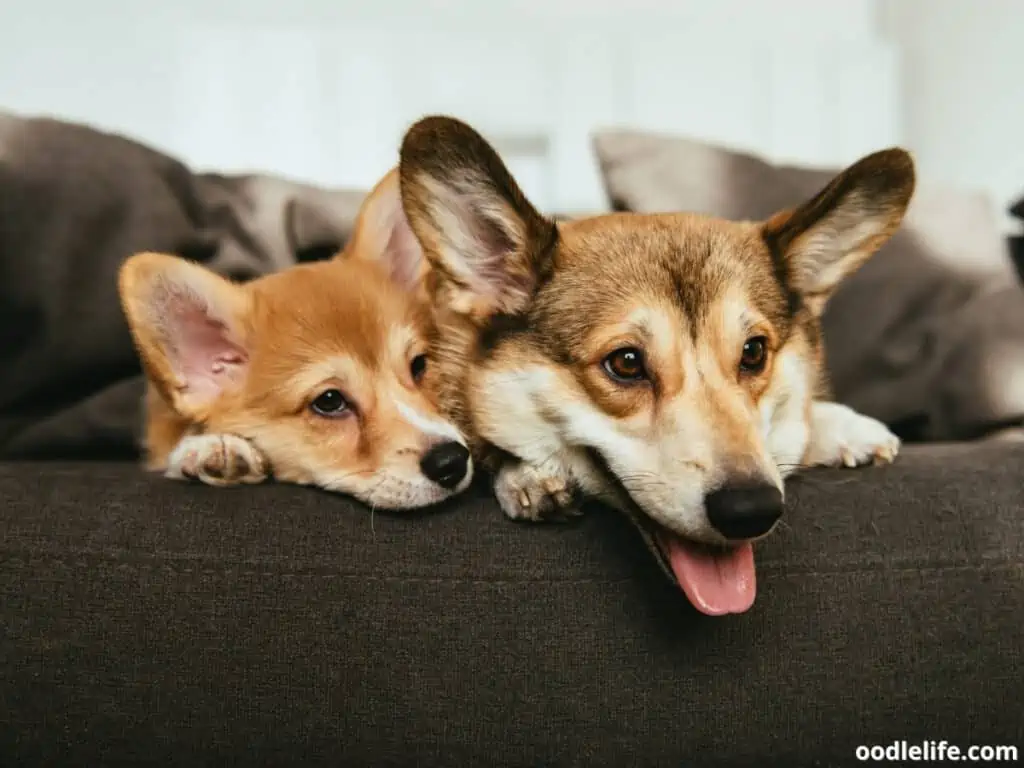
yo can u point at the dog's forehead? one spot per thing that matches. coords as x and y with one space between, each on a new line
320 310
687 261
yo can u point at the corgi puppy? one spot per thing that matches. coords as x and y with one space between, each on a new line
318 374
669 364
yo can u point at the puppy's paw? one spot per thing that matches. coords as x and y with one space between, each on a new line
219 460
536 491
842 437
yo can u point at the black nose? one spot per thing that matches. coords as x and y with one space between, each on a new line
446 464
744 511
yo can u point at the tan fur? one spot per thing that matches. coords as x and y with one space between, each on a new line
343 323
528 309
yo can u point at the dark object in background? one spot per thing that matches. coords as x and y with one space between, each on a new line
1017 241
1017 253
1017 209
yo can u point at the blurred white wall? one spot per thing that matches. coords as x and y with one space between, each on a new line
321 89
962 83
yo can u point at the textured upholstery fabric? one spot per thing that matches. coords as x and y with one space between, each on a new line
146 622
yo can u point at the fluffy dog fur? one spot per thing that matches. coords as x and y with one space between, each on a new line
714 324
240 374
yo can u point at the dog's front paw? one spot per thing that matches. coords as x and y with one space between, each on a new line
535 491
842 437
217 460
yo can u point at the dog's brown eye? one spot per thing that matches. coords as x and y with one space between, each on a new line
418 367
626 364
330 403
755 354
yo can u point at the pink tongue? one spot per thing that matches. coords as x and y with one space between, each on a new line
715 581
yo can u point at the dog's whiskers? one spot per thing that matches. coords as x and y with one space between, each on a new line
373 504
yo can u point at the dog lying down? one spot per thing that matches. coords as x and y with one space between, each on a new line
318 373
668 364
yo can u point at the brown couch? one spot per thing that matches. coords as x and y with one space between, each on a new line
148 622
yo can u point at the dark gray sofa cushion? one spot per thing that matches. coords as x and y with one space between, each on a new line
146 622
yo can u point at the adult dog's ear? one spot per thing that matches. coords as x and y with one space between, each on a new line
827 238
488 245
189 326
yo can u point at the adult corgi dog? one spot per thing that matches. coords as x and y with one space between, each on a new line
669 364
318 374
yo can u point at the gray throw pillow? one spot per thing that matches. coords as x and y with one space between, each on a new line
918 337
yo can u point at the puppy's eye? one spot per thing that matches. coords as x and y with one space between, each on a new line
626 365
418 367
755 355
330 403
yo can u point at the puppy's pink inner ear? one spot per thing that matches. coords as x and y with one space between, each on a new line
207 360
403 253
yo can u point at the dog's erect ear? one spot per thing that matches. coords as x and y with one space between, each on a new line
382 234
189 326
488 245
827 238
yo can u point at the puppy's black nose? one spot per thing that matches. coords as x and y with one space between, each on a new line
744 511
446 464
